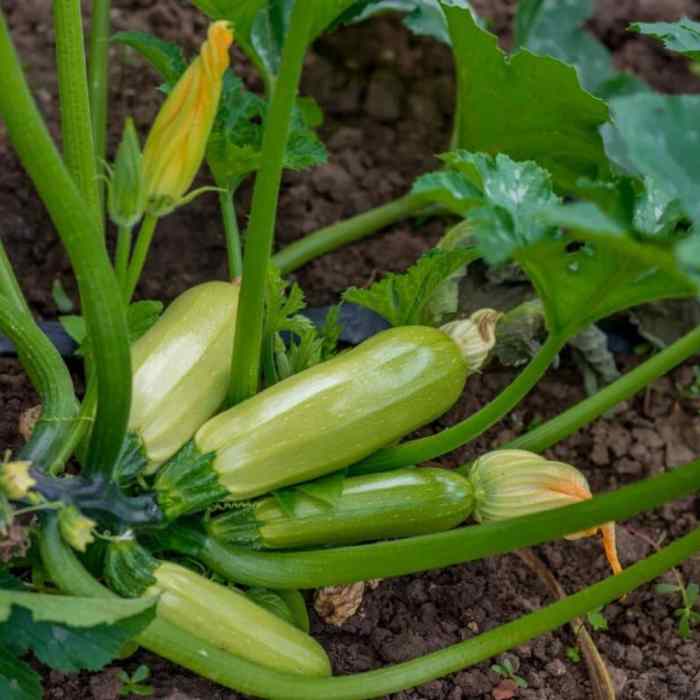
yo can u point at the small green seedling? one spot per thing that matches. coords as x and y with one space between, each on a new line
687 617
573 654
134 684
597 620
506 670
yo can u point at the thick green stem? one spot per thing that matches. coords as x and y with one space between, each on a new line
416 451
121 256
581 414
76 122
249 678
326 239
328 567
233 236
9 286
245 373
98 80
50 377
77 225
79 430
138 259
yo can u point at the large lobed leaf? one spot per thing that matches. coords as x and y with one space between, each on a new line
658 136
557 28
68 634
527 106
423 17
586 260
682 36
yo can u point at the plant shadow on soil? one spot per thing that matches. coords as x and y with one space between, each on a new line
387 112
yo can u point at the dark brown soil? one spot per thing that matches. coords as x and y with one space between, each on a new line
388 110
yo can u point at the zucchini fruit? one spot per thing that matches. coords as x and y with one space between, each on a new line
223 616
318 421
181 368
400 503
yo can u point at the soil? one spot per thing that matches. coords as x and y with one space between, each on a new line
387 113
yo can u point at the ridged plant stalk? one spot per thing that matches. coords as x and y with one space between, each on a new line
50 377
74 99
77 226
98 84
342 233
588 410
9 286
249 327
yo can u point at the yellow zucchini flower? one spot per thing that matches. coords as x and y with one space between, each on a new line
178 138
511 483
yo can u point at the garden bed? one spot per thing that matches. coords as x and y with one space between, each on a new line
388 107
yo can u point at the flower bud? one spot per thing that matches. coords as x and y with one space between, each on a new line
15 479
475 336
127 188
178 139
76 529
513 483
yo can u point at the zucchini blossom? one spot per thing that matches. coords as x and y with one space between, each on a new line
178 138
512 483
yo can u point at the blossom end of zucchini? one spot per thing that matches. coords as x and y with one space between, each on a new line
475 336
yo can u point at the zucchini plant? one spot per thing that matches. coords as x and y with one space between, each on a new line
231 441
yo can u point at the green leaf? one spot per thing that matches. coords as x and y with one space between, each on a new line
75 326
258 24
306 345
683 624
267 34
141 674
557 28
599 263
666 588
657 212
60 297
272 602
68 647
18 681
423 17
165 57
513 194
304 148
682 36
330 332
76 612
597 268
235 144
597 620
691 593
450 189
327 489
527 106
403 299
141 316
658 136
